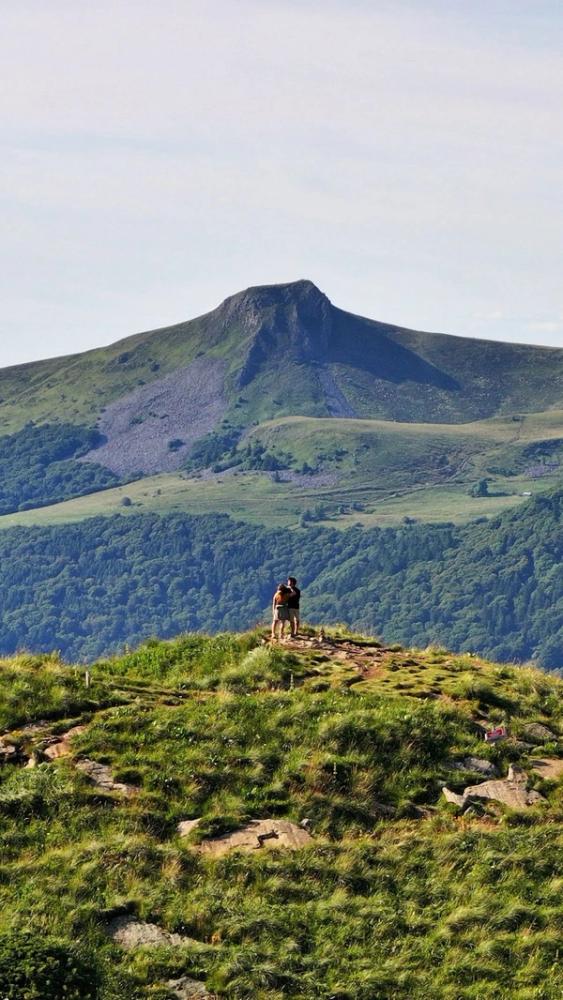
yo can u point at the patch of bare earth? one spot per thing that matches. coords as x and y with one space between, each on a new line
152 429
366 658
549 767
129 932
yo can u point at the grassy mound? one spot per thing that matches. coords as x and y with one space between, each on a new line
396 896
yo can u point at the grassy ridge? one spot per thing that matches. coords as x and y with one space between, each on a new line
394 907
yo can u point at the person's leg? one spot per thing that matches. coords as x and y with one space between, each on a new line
274 623
292 621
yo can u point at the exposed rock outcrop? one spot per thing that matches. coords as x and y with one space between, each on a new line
100 775
259 833
512 791
129 932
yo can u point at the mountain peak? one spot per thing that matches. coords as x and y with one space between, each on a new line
293 318
301 294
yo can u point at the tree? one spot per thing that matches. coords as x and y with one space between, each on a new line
480 489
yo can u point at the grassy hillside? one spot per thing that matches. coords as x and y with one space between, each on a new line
394 895
371 472
87 588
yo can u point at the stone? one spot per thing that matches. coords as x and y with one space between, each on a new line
129 932
100 774
512 791
538 733
549 767
56 750
8 753
520 746
457 800
185 826
477 764
259 834
189 989
62 748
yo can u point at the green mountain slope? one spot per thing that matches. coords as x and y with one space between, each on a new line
386 891
205 393
88 588
282 350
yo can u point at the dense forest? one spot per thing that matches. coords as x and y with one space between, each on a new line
88 589
38 466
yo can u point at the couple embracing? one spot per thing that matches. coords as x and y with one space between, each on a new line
285 608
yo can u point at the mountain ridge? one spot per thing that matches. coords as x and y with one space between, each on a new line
194 396
291 325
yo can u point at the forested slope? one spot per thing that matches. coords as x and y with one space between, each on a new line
87 589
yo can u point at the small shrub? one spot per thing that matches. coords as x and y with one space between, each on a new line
35 967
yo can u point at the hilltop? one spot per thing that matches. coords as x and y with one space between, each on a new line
220 817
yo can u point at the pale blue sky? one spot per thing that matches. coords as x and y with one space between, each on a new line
157 157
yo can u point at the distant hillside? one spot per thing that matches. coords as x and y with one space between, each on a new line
205 393
225 819
274 351
89 588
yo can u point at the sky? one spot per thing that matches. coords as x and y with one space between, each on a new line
406 156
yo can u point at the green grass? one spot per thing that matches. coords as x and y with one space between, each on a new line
254 498
392 470
228 729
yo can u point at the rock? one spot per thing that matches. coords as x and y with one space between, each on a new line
457 800
62 748
381 809
8 753
129 932
511 791
100 774
186 826
33 728
259 833
548 767
478 764
189 989
538 733
520 746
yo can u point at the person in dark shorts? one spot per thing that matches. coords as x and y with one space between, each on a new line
293 602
